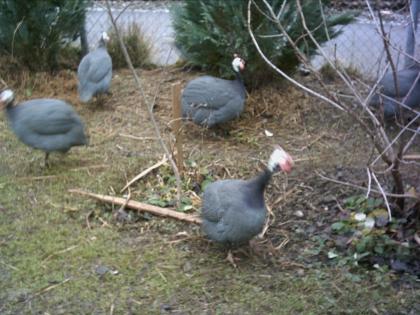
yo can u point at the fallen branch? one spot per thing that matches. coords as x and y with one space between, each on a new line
140 206
411 157
145 172
366 188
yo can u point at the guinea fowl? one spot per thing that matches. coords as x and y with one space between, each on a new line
45 124
408 79
209 101
234 210
95 71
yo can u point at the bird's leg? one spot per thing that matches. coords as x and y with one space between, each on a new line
252 247
231 259
101 99
46 163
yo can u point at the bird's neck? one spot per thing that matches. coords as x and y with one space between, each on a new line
10 110
261 180
101 43
240 81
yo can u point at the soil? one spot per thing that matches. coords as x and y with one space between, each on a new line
322 140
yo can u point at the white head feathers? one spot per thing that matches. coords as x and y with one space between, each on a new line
280 158
7 96
238 64
105 37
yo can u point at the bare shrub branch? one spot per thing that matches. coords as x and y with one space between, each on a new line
149 105
389 149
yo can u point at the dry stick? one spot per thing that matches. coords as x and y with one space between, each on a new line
14 35
369 182
333 101
136 137
283 74
385 39
415 134
364 188
347 80
384 196
140 206
411 157
60 252
46 289
396 174
324 21
177 113
343 75
284 196
396 159
145 172
122 208
10 266
383 140
148 106
398 49
396 138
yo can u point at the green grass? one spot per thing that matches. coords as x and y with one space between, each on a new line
52 242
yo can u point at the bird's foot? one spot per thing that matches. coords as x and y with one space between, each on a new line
232 255
252 245
46 161
231 259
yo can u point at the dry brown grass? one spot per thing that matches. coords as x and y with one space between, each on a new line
161 261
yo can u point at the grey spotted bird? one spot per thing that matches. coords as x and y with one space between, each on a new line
408 79
46 124
209 101
233 210
95 71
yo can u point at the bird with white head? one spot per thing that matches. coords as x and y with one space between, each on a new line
95 71
46 124
210 101
233 210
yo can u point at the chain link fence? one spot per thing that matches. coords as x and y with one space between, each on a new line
359 47
152 18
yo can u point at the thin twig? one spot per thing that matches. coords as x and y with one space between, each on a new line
383 195
14 35
364 188
60 252
149 106
145 172
369 182
10 266
373 127
46 289
136 137
283 74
